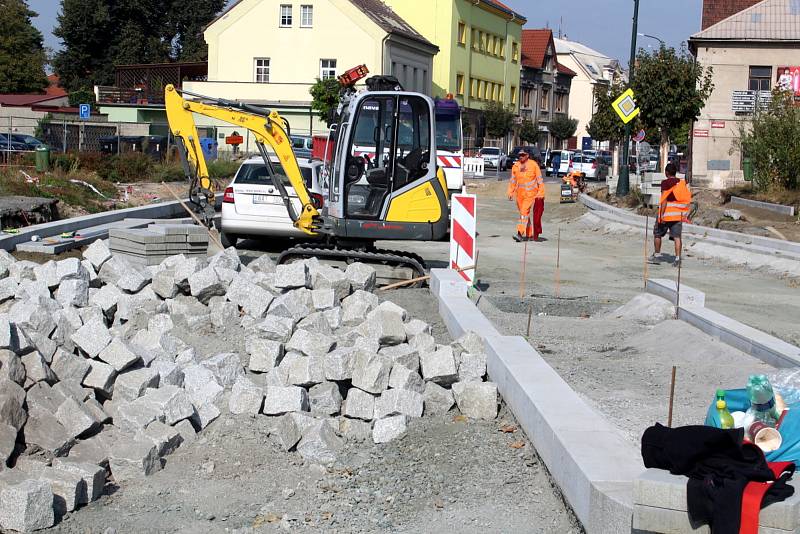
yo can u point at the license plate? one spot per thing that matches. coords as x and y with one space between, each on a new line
266 199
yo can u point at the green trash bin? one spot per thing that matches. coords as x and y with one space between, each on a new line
747 167
42 159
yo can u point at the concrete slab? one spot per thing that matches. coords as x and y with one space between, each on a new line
776 208
668 289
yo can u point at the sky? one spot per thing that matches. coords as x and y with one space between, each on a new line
600 24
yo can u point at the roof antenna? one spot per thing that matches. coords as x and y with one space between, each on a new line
560 22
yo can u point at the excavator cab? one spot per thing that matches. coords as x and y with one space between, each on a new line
384 182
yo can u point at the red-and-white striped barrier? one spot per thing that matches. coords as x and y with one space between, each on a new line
463 246
449 162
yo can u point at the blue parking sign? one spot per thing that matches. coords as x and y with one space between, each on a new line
85 110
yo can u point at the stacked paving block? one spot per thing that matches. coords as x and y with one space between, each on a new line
151 246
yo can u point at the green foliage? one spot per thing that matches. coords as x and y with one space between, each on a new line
222 169
671 89
563 127
82 96
529 131
606 124
499 119
325 97
127 167
41 124
772 142
22 56
99 34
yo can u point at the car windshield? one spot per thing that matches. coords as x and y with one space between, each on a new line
448 132
491 151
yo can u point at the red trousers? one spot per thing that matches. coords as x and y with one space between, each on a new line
538 211
524 226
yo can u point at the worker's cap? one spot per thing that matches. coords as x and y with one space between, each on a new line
523 152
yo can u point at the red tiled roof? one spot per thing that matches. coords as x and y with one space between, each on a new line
55 89
504 7
566 70
534 47
25 100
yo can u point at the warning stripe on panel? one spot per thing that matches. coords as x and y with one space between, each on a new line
462 235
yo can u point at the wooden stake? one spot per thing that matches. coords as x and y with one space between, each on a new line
530 314
678 292
558 264
419 279
524 258
646 226
195 217
671 396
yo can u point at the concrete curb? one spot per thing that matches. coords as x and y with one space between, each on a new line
590 460
162 210
735 239
769 206
747 339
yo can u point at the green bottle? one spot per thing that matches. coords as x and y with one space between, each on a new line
725 417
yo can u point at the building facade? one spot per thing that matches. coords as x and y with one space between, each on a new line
591 68
749 52
544 85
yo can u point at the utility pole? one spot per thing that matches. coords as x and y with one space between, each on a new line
623 184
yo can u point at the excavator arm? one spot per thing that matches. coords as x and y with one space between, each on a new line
268 128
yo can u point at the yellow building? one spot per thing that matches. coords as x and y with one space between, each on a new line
479 47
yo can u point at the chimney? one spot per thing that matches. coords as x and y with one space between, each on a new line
717 10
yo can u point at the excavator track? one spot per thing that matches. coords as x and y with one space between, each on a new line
392 266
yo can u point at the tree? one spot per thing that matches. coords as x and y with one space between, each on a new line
563 127
499 118
671 89
325 97
529 131
771 139
22 56
606 124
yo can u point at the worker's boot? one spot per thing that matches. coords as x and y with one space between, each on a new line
655 258
518 238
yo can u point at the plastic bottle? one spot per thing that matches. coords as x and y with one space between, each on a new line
762 400
725 417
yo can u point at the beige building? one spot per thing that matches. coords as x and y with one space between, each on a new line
591 68
748 52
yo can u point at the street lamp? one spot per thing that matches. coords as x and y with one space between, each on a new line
653 37
623 183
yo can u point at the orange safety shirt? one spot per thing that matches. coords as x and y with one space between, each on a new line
675 209
526 183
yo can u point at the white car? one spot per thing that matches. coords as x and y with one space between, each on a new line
252 207
492 156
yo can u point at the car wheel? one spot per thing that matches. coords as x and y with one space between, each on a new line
228 240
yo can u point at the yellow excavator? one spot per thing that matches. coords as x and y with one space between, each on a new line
381 178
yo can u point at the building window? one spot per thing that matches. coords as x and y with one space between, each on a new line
460 84
327 68
306 16
261 67
474 39
502 48
514 52
561 100
462 34
492 45
472 87
526 98
760 79
286 15
513 95
544 105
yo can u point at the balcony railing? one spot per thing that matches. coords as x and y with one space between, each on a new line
122 95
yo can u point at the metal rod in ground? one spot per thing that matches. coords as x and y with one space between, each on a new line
558 264
646 226
530 314
678 291
671 396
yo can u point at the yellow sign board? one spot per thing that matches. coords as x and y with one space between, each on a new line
625 106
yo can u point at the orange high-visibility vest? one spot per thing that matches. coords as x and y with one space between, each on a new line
528 183
675 210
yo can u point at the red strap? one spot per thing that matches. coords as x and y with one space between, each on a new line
753 495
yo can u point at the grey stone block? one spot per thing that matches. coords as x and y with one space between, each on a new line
132 384
33 315
185 269
403 354
135 416
356 307
41 398
355 429
166 438
204 415
305 371
295 304
186 358
11 405
107 299
359 405
93 476
227 259
399 402
169 373
316 322
415 327
161 323
94 280
333 317
91 314
361 276
423 343
75 418
275 328
226 367
186 431
171 401
164 284
223 314
286 431
402 377
384 326
325 399
310 343
22 270
26 506
253 299
43 431
118 355
205 284
201 385
327 277
324 299
8 439
292 276
48 273
100 377
96 411
8 288
439 366
371 371
246 397
147 344
338 364
438 400
129 460
388 429
319 443
265 354
97 253
476 399
73 293
279 400
263 264
472 367
11 367
67 489
92 338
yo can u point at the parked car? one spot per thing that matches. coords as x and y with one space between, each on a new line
533 152
492 157
585 163
302 145
253 207
565 158
14 143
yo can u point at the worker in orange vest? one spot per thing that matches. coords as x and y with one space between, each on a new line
673 211
527 188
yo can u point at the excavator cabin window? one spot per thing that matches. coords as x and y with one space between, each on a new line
389 149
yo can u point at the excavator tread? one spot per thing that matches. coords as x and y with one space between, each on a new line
390 257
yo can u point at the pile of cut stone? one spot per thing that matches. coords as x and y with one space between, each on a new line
157 242
95 380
